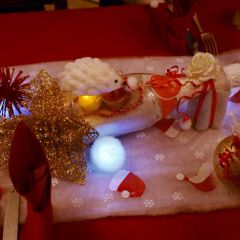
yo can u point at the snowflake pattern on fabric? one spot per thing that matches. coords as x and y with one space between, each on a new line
179 60
108 198
199 154
177 196
140 135
148 203
182 139
54 182
185 136
160 157
77 202
150 68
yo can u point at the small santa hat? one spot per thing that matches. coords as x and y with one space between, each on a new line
169 126
126 182
204 180
185 123
235 98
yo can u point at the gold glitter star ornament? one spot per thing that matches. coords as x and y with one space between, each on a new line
63 134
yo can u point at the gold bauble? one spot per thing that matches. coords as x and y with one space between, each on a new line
90 103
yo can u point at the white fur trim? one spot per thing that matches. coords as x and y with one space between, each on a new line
173 130
203 173
180 176
125 194
117 179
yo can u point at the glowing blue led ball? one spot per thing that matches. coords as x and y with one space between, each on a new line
108 154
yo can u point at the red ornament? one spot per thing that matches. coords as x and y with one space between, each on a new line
227 161
13 91
169 126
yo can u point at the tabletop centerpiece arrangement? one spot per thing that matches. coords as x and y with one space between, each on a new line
91 98
79 118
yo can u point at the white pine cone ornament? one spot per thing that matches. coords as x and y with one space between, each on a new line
89 76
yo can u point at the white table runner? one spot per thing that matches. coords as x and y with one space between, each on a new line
151 155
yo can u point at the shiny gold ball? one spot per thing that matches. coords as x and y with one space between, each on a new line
227 162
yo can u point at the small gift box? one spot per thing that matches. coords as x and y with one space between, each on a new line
208 109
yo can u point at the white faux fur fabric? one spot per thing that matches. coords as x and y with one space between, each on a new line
152 156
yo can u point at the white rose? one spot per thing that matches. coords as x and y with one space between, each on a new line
202 67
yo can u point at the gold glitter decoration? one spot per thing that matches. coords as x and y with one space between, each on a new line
63 134
227 161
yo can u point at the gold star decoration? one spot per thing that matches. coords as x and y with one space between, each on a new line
63 133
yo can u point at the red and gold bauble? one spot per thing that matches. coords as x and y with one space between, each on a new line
227 161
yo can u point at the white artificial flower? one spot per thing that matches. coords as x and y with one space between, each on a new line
202 67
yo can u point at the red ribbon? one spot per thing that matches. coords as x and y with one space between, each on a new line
206 86
174 73
186 98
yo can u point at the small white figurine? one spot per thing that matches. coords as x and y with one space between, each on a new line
89 76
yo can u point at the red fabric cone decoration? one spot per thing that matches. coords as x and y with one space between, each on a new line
127 183
235 98
169 127
204 180
30 174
